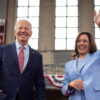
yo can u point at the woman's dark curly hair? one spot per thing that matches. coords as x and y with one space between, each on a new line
92 47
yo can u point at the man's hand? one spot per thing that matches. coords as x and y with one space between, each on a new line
1 91
97 18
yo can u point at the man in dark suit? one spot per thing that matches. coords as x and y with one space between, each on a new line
21 70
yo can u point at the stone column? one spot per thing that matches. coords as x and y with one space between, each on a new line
86 14
46 30
11 18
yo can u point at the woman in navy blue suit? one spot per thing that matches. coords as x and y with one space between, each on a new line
81 80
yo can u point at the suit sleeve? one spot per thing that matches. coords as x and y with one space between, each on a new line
65 91
0 57
40 85
0 66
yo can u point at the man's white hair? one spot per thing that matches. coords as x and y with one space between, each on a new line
25 21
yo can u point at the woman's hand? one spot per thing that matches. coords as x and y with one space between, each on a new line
97 18
77 84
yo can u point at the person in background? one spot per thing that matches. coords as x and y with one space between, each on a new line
81 80
21 69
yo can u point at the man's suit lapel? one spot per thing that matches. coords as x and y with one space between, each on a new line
30 60
14 54
31 57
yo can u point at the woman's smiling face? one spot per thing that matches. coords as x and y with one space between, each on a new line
83 45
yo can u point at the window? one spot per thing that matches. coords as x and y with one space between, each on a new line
29 9
66 24
97 31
